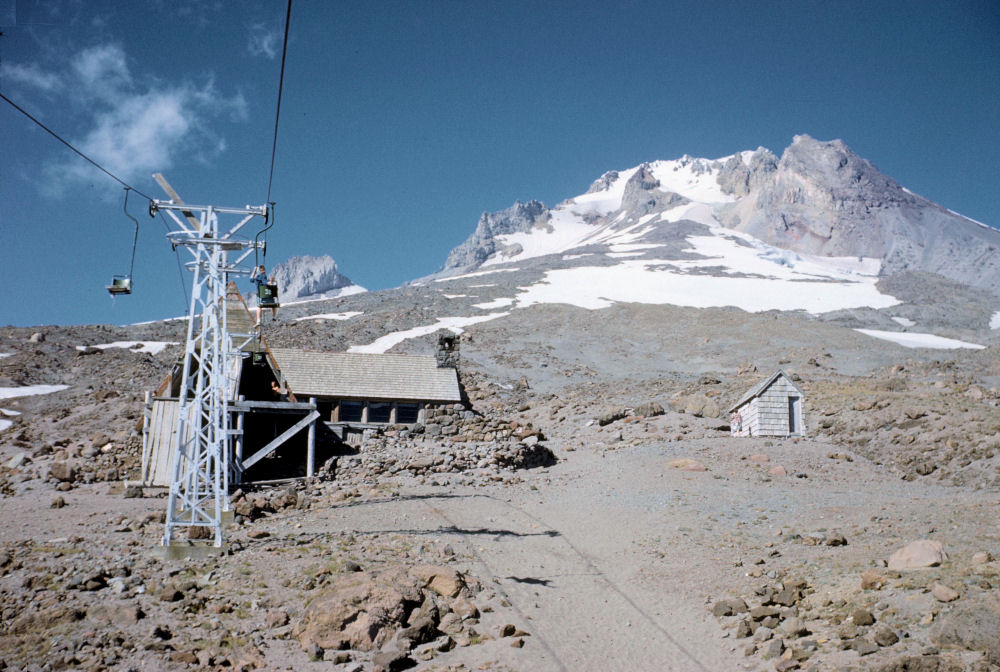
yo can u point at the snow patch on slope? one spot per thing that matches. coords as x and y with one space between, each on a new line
453 324
911 339
152 347
495 303
601 202
695 179
331 316
995 321
29 390
642 281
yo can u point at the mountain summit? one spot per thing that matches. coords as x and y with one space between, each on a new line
819 202
312 277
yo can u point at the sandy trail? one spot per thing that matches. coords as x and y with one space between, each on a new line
570 571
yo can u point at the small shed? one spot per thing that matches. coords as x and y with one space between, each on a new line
773 407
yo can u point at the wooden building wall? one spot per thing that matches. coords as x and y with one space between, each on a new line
767 414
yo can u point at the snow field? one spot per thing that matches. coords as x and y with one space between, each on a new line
454 324
26 391
152 347
495 303
331 316
995 321
911 339
29 390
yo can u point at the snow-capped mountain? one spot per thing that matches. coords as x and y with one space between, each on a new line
813 230
312 277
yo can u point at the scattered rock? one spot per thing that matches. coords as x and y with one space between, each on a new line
64 471
982 558
973 625
862 617
918 554
864 646
649 410
773 649
610 416
885 637
729 607
442 580
943 593
872 580
687 464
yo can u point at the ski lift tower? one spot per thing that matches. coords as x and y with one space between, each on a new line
200 452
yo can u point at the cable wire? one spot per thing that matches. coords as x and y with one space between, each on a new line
78 152
180 269
277 113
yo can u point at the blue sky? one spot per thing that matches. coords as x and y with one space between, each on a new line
403 121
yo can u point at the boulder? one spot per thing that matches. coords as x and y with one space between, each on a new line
687 464
872 580
973 625
649 410
862 617
442 580
943 593
610 416
981 558
918 554
359 611
64 471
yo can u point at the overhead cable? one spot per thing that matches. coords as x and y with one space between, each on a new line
81 154
277 113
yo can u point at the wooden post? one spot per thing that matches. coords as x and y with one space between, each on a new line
239 443
147 411
311 445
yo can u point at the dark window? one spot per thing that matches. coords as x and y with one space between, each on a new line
407 414
379 411
350 411
325 409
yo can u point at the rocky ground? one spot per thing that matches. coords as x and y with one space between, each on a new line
602 517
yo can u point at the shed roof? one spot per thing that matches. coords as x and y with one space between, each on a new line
759 388
352 375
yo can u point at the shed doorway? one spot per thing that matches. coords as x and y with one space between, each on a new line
794 415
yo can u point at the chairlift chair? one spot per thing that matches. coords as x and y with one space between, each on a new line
267 296
120 284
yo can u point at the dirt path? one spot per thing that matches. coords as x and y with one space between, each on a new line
570 570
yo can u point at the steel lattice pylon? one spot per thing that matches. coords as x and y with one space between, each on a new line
200 453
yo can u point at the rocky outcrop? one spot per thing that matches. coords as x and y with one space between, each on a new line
822 198
519 217
309 276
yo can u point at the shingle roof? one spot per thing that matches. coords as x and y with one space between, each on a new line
761 386
350 375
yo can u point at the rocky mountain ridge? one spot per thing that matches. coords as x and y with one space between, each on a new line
819 198
313 277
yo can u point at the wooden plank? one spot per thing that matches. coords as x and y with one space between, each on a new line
287 406
162 181
284 436
160 440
